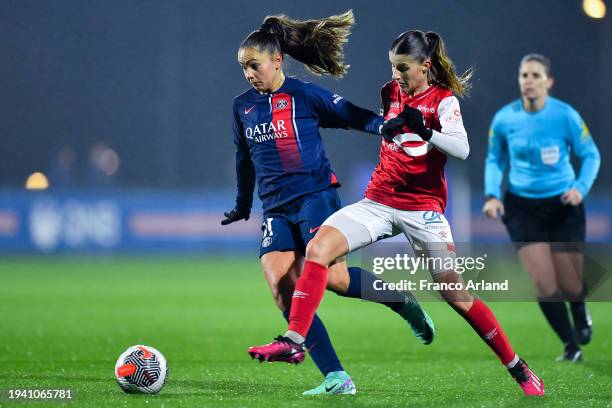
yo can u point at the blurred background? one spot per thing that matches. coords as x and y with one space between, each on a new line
115 116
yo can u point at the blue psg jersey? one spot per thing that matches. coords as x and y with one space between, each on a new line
278 141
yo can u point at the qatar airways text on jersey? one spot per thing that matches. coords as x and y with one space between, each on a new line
278 140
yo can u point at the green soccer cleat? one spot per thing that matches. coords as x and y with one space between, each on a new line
419 321
335 383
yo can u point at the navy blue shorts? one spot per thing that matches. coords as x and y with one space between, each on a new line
291 226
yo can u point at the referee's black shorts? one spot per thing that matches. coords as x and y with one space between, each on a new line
531 220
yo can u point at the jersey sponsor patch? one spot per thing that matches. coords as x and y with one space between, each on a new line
550 155
432 217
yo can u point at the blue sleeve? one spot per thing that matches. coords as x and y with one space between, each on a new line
585 149
336 112
497 159
245 171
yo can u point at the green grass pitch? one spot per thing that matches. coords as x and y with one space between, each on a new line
65 321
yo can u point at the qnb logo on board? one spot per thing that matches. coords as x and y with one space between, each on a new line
74 224
266 131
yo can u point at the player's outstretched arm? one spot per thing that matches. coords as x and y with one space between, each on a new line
245 176
336 112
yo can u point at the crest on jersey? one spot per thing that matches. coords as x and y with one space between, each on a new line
281 104
266 242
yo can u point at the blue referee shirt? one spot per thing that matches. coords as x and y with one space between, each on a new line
537 145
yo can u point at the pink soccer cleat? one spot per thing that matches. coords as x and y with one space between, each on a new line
281 349
530 383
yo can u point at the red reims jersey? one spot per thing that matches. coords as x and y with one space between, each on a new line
410 174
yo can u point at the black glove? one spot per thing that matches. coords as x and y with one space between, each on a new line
410 117
236 214
391 128
414 120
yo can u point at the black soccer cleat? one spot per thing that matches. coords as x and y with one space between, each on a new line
584 335
571 355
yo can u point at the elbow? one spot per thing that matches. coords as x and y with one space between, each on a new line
597 158
592 158
464 153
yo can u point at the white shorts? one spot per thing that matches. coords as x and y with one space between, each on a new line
367 221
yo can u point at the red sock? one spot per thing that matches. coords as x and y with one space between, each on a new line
484 322
308 293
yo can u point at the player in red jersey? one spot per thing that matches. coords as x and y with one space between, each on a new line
407 193
278 145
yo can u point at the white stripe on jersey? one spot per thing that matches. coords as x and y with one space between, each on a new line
412 151
295 128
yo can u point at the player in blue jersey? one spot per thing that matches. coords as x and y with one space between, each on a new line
276 132
542 209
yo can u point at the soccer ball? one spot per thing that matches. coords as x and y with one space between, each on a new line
141 370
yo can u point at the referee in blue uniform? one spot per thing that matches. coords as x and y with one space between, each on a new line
542 208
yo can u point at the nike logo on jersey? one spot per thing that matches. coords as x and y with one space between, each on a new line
247 111
315 229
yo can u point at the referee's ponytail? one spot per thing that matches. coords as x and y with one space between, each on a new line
315 43
422 46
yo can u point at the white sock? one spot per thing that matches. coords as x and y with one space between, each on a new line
513 362
295 337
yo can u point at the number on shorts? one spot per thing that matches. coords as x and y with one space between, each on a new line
267 228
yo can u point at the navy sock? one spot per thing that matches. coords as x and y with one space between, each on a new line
361 286
319 346
555 312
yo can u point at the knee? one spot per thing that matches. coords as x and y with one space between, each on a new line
318 251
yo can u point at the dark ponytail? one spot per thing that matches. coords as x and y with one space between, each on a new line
318 44
422 46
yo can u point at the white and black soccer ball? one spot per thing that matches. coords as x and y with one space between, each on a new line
141 370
